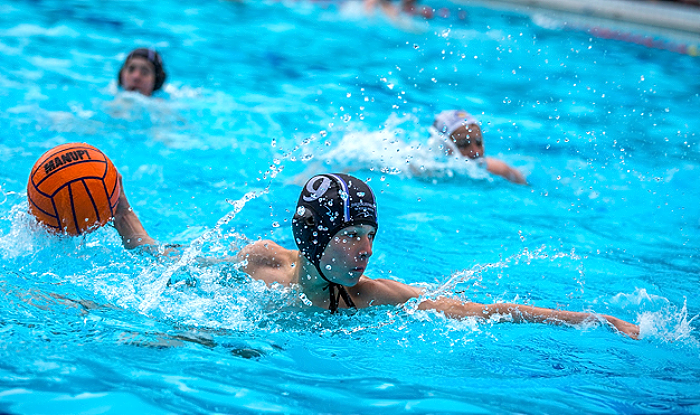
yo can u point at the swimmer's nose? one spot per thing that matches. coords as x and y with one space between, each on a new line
365 248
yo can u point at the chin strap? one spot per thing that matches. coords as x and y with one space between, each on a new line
342 293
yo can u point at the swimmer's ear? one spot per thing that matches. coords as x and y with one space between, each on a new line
309 221
306 220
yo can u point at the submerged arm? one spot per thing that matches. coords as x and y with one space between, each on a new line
370 292
520 313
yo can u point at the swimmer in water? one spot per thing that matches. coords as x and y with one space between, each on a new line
334 227
142 72
458 132
407 6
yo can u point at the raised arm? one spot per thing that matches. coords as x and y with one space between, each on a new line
519 313
128 224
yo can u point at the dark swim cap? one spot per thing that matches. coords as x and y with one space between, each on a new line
152 56
327 204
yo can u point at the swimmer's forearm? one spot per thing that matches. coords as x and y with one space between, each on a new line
131 230
520 313
128 224
545 315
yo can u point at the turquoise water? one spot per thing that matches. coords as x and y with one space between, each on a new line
261 95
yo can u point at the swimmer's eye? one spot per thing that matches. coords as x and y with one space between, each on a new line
145 71
467 143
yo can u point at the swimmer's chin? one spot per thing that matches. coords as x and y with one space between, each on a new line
355 274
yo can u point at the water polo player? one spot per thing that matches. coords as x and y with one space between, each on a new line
142 71
334 227
409 7
458 132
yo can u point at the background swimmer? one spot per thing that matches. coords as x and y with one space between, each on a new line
142 71
334 226
458 132
406 6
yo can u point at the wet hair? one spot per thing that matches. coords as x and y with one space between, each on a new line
152 56
327 204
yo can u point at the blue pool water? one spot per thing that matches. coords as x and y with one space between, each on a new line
259 96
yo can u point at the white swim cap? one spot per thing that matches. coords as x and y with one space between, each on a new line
448 121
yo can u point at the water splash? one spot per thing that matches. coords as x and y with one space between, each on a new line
473 276
155 289
400 148
665 320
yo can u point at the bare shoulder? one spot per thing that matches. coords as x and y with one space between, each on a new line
267 260
264 250
381 291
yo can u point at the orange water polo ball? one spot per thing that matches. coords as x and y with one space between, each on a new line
73 188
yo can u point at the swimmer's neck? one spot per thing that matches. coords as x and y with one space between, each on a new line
311 282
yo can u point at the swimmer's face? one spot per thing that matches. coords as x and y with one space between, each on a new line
138 75
347 254
468 140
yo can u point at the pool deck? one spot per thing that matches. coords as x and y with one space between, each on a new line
676 21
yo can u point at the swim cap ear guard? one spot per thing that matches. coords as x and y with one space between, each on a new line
152 56
327 204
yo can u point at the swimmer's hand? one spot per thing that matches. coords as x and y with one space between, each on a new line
622 326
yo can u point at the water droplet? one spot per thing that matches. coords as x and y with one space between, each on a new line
301 210
275 224
328 267
361 194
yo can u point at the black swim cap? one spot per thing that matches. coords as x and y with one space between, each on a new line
152 56
327 204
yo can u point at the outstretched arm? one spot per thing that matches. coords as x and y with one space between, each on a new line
382 291
500 168
128 224
519 313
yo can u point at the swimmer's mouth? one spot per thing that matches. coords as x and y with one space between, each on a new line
359 270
